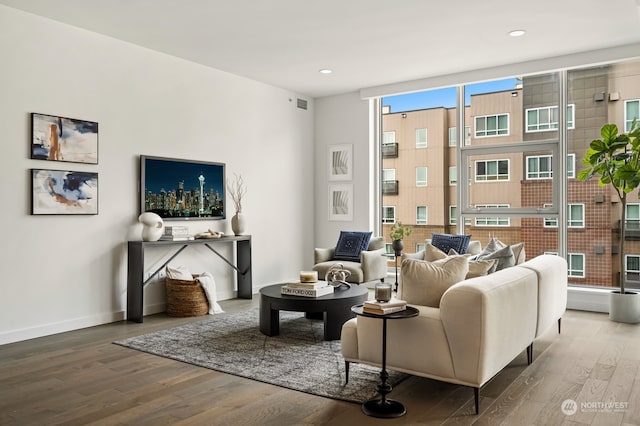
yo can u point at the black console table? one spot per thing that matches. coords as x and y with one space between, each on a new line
135 267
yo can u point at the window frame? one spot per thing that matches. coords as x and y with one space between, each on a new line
570 268
421 144
570 221
627 119
420 183
506 131
497 161
488 219
384 219
426 215
571 118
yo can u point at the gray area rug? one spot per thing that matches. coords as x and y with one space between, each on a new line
297 359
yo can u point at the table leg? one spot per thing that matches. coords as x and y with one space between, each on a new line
383 407
269 320
334 319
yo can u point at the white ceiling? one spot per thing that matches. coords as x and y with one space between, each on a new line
365 42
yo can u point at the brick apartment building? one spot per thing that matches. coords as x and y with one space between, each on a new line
420 180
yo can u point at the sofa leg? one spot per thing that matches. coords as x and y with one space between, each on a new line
559 322
346 371
530 354
476 397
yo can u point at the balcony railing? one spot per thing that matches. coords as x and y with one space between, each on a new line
389 150
390 187
632 230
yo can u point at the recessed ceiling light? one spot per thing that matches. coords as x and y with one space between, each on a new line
325 71
516 33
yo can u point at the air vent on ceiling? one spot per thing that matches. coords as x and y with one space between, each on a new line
302 104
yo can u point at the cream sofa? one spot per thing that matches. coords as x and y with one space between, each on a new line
481 325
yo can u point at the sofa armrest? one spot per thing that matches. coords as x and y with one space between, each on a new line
323 254
374 264
489 320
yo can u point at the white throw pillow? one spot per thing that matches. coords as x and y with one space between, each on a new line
424 283
179 273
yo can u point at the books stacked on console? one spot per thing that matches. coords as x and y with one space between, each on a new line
176 233
308 286
383 308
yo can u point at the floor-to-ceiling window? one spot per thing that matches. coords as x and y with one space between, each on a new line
514 133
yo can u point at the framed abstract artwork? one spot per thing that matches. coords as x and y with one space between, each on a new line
63 192
340 162
63 139
341 202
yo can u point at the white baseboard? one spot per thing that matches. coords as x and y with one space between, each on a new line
588 299
59 327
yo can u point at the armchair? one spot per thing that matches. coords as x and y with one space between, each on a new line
371 267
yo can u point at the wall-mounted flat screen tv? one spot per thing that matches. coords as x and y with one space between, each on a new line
178 189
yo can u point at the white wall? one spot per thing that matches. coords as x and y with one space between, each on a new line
66 272
342 119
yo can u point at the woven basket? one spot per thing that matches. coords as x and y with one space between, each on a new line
185 298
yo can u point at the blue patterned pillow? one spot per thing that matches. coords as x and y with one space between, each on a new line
350 244
446 242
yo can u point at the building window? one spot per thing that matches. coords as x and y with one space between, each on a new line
492 125
632 216
571 165
453 175
631 112
492 221
389 214
539 167
546 118
421 215
492 170
421 176
576 265
549 222
389 251
388 137
632 267
453 216
575 215
388 175
453 135
421 138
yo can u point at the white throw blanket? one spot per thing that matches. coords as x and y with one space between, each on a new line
205 279
209 285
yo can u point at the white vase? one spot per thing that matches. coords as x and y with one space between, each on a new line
152 226
238 224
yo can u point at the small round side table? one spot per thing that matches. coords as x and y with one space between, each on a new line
383 407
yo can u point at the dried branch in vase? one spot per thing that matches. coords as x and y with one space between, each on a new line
237 190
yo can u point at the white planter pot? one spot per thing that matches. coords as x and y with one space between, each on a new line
624 307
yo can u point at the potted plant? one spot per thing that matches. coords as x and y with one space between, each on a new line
397 233
615 160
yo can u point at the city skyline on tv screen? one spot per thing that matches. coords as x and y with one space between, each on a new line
172 188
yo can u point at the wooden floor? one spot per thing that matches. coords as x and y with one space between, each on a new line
81 378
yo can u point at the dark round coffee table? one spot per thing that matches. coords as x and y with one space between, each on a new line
334 308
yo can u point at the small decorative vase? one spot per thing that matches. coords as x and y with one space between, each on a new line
397 246
238 224
152 226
